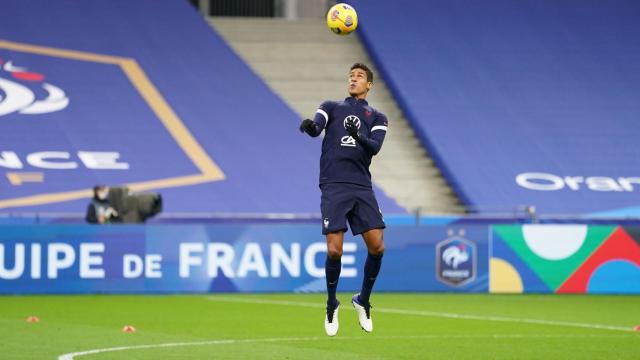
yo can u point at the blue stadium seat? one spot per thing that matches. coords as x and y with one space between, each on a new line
531 102
143 93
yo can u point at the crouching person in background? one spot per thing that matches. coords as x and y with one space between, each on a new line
126 207
100 210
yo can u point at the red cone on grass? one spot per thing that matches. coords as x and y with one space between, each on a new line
128 329
33 319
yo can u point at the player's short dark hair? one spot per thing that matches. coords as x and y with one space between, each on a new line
365 68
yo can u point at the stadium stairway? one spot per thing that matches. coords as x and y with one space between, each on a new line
305 64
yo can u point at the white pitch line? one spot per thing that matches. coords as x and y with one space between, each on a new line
72 356
432 314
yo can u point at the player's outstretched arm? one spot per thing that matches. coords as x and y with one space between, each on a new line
310 127
320 120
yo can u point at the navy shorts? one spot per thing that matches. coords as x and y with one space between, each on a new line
342 202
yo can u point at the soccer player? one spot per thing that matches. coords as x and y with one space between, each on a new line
354 132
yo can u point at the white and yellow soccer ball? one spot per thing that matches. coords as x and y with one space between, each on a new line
342 19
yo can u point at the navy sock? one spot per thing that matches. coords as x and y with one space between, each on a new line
332 269
371 270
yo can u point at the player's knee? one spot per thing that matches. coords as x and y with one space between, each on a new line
334 252
377 250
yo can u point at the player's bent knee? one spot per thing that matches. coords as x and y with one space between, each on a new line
334 245
377 251
334 253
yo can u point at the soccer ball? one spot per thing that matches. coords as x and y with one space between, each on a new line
342 19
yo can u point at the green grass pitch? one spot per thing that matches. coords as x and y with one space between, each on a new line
290 326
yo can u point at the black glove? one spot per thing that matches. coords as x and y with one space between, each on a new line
352 128
307 125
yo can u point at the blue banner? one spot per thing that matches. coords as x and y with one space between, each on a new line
231 258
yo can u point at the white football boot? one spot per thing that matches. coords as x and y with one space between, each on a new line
364 314
331 320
